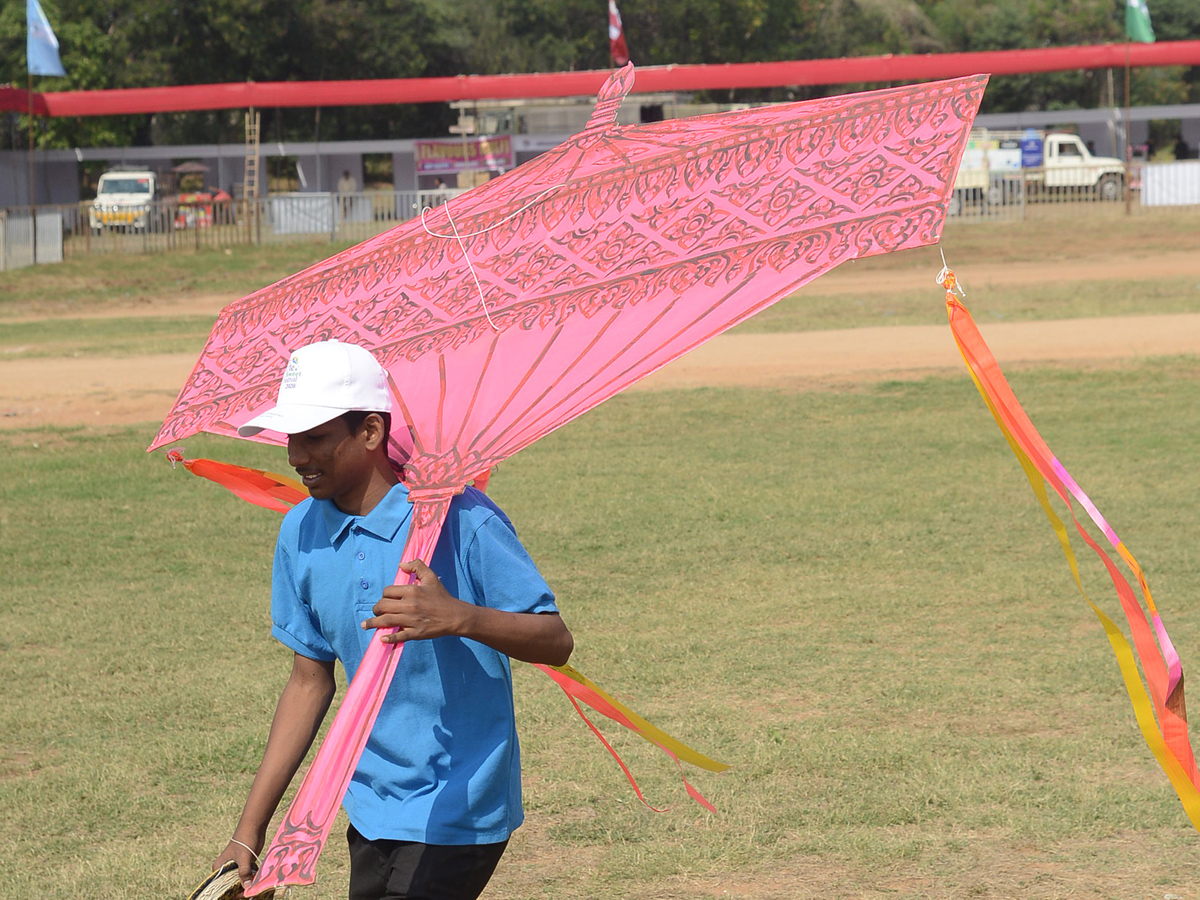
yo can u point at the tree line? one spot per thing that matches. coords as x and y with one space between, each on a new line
144 43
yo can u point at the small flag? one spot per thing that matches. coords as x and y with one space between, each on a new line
41 46
616 36
1137 22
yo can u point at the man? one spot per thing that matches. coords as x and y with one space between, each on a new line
436 793
346 185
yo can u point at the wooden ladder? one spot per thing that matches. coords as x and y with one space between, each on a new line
250 175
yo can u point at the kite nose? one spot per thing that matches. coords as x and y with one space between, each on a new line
608 101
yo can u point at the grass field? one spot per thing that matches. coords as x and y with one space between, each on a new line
91 283
850 595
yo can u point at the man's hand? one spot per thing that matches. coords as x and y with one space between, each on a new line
302 706
427 610
422 610
239 853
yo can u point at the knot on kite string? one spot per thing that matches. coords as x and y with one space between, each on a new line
175 455
947 279
461 246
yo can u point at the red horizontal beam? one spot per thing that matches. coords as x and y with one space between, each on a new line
651 79
17 100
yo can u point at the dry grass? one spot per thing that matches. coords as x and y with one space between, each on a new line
846 593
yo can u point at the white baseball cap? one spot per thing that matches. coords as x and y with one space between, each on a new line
322 381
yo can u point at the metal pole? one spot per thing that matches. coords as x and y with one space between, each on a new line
1128 141
29 95
32 207
317 146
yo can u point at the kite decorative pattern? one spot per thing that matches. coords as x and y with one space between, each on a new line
1161 697
641 218
531 299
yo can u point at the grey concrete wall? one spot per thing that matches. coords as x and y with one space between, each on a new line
1191 136
322 172
228 173
55 180
1101 138
404 170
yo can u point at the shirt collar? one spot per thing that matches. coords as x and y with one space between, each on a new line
384 521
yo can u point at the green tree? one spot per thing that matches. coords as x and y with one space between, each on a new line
143 43
93 54
1175 20
147 43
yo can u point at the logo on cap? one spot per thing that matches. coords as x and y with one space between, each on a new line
292 374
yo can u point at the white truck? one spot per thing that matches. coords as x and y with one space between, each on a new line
998 166
124 199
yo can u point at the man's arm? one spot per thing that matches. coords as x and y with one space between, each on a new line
302 707
427 610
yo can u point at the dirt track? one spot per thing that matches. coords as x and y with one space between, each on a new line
105 391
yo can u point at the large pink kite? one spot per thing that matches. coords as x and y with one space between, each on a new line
516 307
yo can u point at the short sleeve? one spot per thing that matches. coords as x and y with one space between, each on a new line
502 572
292 622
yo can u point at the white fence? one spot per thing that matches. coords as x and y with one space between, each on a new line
165 226
17 238
1172 184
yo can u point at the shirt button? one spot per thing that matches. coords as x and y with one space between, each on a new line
364 584
362 555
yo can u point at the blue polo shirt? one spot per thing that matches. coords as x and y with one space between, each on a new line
442 765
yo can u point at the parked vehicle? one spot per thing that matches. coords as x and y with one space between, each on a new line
989 173
124 199
999 166
1067 163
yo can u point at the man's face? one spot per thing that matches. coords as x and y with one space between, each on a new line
333 462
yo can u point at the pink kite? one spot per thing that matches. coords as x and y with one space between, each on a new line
522 304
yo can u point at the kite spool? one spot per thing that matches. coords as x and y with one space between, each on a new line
224 884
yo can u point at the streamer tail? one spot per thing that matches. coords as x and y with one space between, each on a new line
1162 696
579 689
266 489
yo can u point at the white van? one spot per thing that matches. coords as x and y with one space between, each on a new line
124 199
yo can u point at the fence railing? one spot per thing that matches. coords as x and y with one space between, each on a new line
164 226
65 232
1016 194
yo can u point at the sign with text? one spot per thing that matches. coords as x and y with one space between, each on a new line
491 152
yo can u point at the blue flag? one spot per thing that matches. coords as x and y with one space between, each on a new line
41 46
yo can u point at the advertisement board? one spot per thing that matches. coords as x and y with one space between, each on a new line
457 155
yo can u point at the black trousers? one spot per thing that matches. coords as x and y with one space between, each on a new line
406 870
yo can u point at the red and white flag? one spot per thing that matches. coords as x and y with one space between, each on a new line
616 36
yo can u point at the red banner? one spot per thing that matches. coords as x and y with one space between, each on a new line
650 79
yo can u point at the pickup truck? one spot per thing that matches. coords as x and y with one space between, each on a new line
124 199
1067 163
998 166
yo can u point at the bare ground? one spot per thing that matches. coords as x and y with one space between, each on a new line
94 390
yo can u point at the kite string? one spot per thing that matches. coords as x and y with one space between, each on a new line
463 247
510 216
470 265
247 846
